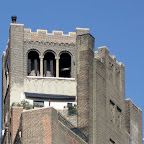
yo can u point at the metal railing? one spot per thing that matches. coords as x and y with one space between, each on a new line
72 127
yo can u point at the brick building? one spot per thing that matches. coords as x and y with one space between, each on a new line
56 74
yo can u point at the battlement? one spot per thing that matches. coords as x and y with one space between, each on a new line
44 36
133 106
103 53
40 31
56 37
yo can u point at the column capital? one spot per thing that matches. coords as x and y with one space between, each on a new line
41 57
57 57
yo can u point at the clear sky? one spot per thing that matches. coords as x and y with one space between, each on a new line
117 24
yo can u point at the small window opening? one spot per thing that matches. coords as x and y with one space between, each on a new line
112 111
65 65
112 103
49 65
112 142
33 64
119 110
38 103
118 117
69 104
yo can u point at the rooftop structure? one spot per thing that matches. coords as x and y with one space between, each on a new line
75 95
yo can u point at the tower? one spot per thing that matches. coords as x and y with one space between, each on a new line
58 73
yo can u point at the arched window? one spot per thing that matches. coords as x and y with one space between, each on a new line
49 65
65 65
33 64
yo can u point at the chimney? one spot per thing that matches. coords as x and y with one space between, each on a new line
14 18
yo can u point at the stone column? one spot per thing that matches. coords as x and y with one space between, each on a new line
57 66
41 65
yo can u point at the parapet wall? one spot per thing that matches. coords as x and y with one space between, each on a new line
42 126
44 36
50 85
115 71
103 53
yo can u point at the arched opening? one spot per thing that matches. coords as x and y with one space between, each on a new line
49 65
33 64
65 65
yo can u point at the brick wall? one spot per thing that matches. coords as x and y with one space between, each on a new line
70 118
15 121
109 87
41 126
85 46
134 122
36 126
16 61
61 134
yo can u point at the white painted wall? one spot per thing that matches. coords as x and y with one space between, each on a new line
56 105
50 85
44 85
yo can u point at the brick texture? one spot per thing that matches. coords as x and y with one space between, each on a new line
85 46
103 113
15 121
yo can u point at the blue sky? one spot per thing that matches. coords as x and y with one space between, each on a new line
117 24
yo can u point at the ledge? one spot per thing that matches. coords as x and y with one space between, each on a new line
55 78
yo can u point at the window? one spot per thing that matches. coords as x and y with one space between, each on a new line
38 103
69 105
49 65
65 65
33 64
112 111
112 142
118 117
72 110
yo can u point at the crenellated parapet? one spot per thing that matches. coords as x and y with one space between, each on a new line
54 37
103 55
115 71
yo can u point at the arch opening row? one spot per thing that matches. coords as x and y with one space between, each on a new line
49 65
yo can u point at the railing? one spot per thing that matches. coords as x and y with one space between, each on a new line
72 127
